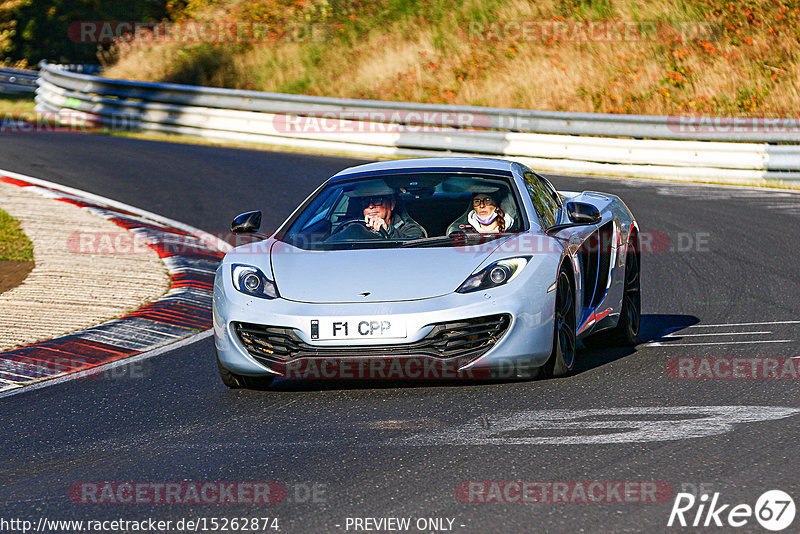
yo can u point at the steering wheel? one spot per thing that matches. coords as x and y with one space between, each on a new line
359 229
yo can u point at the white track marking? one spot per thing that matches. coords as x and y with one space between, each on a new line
667 184
716 334
659 344
7 384
741 324
13 364
584 427
205 236
106 366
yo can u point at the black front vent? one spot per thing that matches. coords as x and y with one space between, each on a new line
469 338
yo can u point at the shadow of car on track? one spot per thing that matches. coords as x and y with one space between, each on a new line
653 328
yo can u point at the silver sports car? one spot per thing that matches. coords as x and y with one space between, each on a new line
428 268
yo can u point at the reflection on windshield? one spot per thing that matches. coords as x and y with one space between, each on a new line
408 210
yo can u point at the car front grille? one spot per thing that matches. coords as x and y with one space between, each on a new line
466 340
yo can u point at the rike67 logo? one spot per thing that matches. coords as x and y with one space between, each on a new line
774 510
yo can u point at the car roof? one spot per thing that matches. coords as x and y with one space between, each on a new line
476 164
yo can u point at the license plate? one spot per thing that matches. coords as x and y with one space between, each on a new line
357 328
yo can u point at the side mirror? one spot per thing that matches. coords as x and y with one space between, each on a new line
582 213
246 223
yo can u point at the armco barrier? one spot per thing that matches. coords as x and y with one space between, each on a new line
17 80
648 146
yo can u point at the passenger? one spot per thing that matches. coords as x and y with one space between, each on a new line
379 217
485 217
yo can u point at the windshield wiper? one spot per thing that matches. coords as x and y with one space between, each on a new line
424 241
359 244
459 239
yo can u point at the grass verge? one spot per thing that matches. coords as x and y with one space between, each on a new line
16 107
674 57
16 253
14 244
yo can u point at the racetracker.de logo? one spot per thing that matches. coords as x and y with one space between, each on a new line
124 242
109 31
588 31
375 121
731 368
390 369
24 121
733 125
564 492
177 492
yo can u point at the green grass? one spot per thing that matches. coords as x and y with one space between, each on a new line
712 57
14 244
15 106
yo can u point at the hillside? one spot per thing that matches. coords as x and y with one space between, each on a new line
682 57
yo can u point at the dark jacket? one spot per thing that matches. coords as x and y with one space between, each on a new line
405 228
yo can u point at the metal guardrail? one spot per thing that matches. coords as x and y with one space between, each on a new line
80 68
398 128
17 80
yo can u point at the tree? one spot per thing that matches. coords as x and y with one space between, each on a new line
32 30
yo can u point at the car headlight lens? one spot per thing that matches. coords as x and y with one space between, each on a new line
498 273
251 281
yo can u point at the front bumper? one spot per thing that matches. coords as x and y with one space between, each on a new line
525 342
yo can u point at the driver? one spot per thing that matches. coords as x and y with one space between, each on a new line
379 216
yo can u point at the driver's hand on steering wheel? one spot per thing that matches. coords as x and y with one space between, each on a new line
375 224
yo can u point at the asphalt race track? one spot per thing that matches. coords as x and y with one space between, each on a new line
722 258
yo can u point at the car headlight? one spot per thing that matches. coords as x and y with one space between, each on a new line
251 281
498 273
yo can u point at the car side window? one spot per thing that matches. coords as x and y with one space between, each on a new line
550 190
543 201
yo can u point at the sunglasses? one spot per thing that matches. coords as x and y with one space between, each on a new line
374 201
483 201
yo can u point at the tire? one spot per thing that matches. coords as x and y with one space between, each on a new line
626 333
562 357
259 383
234 381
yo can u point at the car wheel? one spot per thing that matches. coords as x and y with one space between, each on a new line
229 379
562 357
234 381
626 332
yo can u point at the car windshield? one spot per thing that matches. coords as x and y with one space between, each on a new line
407 210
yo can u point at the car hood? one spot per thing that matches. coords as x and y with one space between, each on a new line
373 275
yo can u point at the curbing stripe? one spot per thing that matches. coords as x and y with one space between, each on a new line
14 389
190 256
